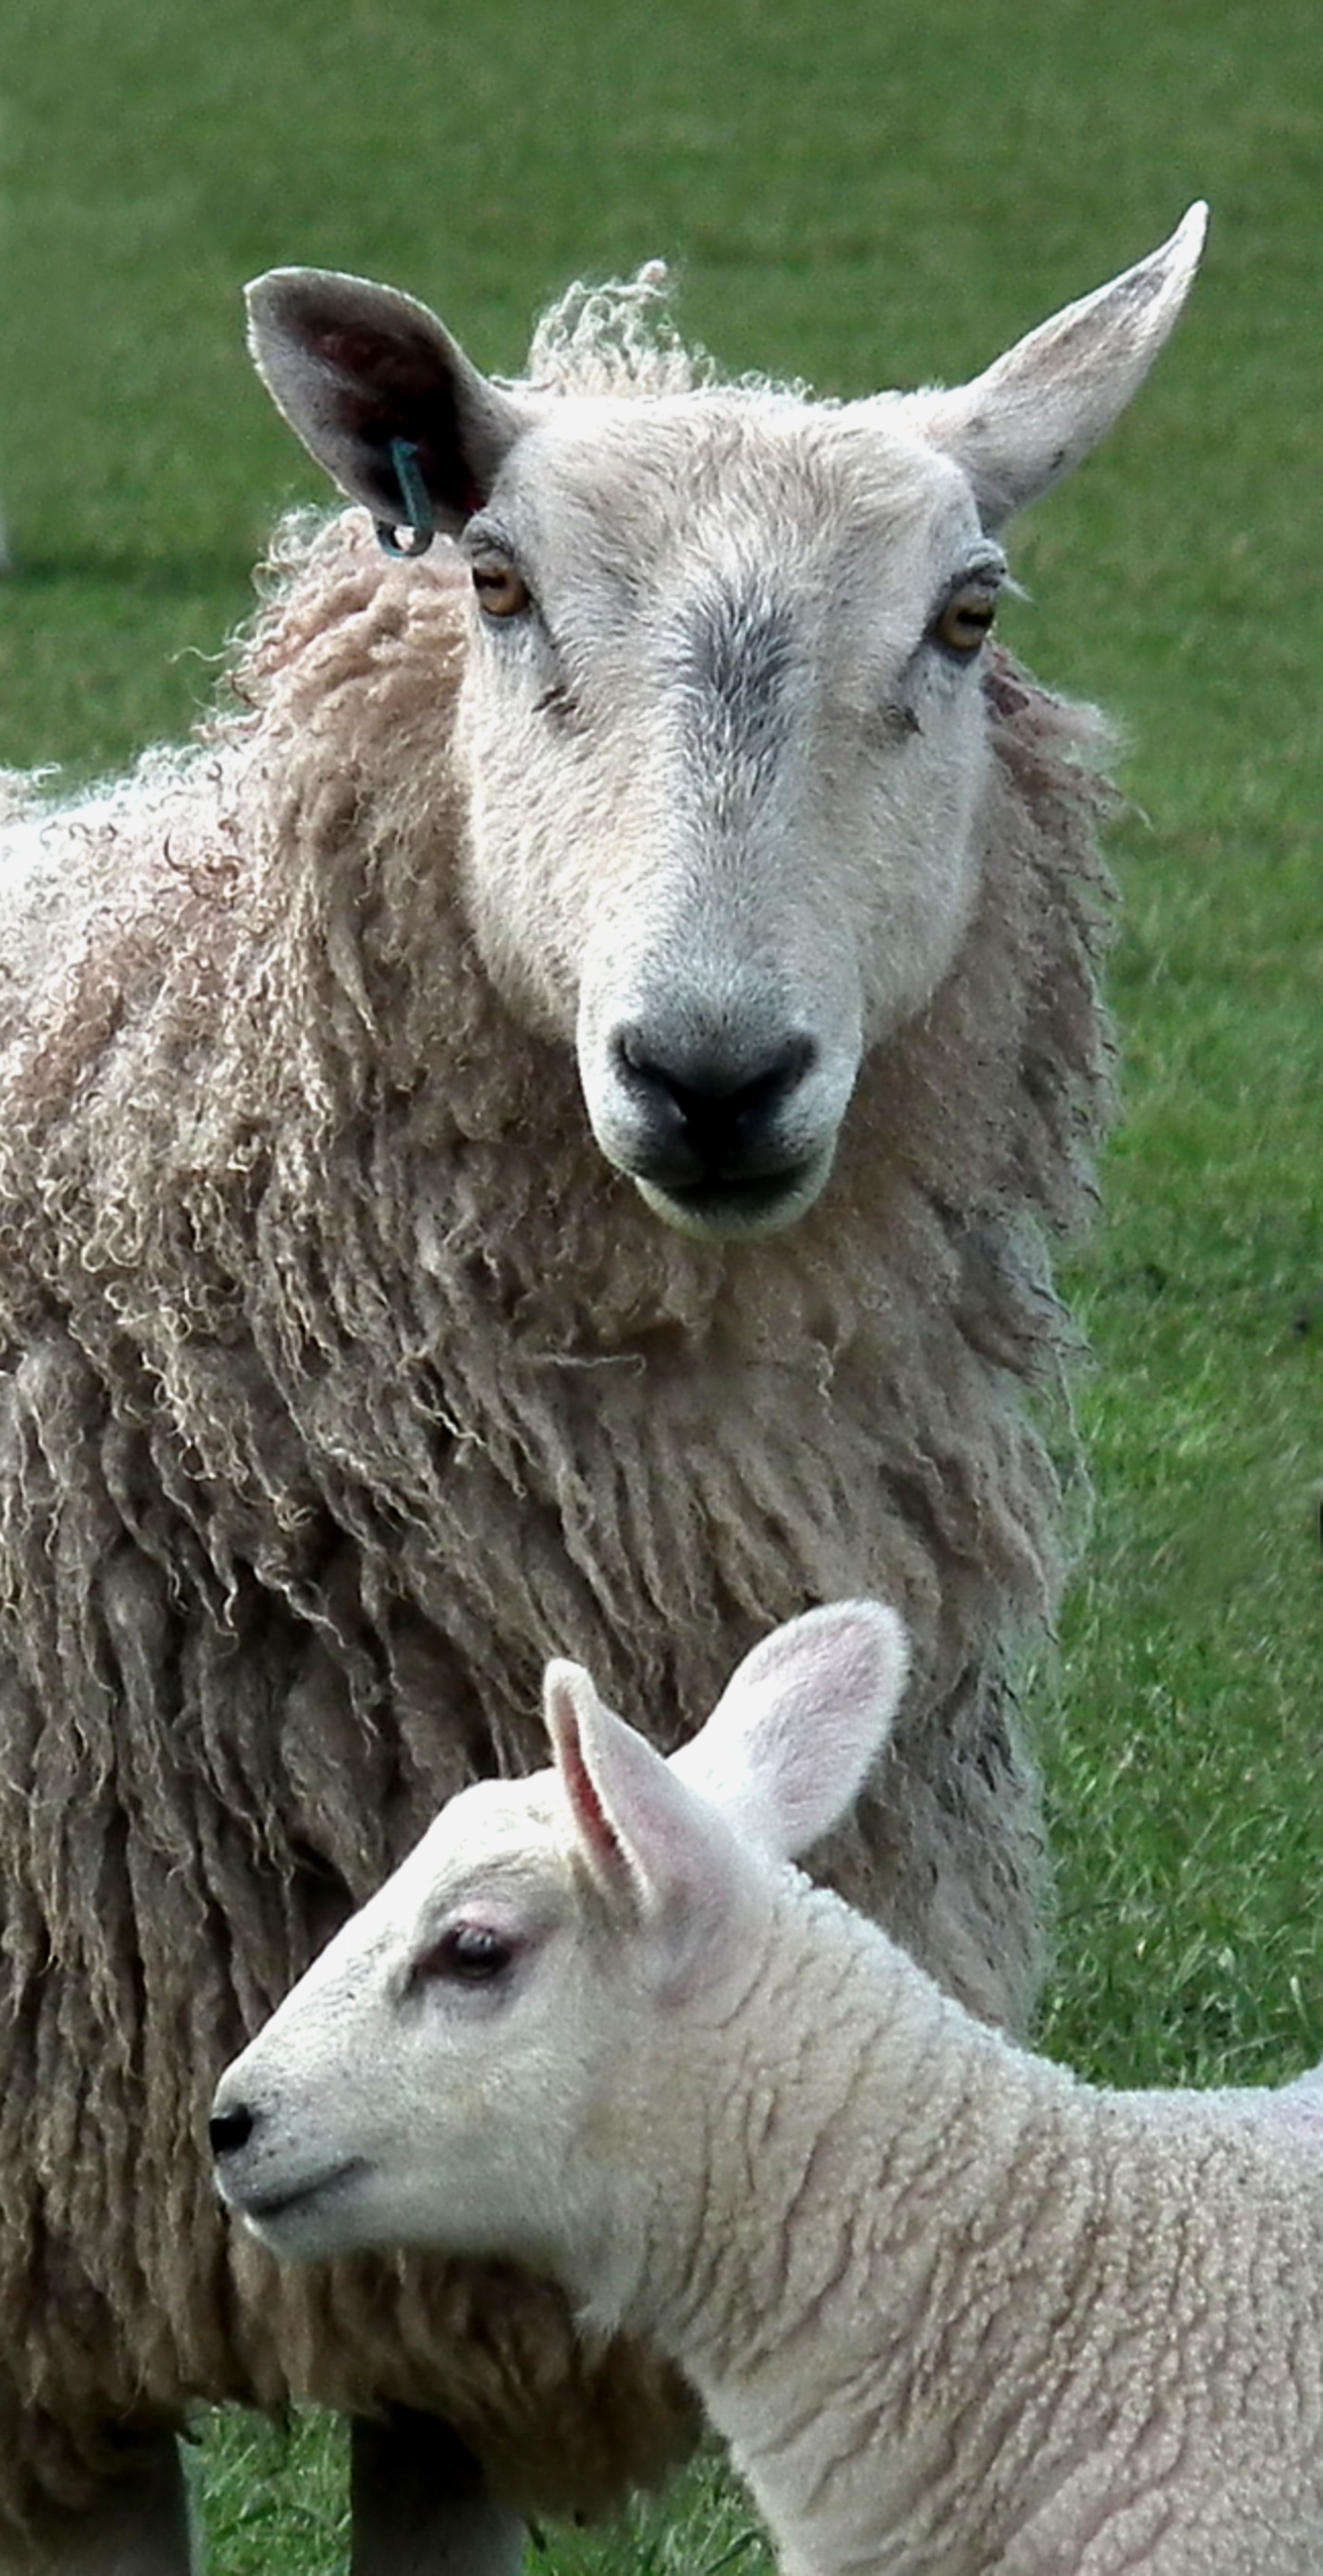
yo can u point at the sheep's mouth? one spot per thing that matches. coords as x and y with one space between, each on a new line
763 1204
270 2213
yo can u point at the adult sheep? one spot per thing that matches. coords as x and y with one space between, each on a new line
350 1371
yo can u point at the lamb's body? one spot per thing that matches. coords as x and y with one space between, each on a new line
961 2312
955 2311
345 1379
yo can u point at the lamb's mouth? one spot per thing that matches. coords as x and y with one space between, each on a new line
269 2213
724 1209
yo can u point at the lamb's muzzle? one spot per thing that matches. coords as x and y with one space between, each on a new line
284 2200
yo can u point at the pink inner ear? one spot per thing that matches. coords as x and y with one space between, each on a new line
604 1846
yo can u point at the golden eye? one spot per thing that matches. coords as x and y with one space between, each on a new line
966 618
501 591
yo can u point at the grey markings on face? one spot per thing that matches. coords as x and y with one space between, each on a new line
736 657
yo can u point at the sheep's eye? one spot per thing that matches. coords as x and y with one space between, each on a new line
501 591
965 619
467 1955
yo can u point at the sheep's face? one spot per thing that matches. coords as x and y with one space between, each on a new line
428 2080
722 725
516 2047
724 740
476 2061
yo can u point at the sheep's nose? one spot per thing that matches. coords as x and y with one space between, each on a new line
713 1117
230 2130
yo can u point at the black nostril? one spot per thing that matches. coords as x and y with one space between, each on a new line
717 1098
710 1113
230 2130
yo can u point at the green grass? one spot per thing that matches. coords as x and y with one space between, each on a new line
860 193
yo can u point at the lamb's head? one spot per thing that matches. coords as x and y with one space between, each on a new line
474 2060
722 725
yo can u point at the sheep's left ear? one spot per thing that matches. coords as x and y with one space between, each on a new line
360 371
801 1724
1032 415
663 1861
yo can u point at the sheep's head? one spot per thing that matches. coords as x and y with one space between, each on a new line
722 724
466 2065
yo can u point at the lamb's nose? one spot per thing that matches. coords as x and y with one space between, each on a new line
230 2130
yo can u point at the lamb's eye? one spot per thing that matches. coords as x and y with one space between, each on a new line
501 591
965 619
469 1954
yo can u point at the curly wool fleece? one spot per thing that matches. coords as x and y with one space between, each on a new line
345 1383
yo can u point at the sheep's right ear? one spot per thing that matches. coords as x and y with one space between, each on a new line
1033 414
357 370
799 1727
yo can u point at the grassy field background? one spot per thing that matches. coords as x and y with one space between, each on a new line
861 194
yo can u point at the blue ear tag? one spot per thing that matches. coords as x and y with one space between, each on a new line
417 514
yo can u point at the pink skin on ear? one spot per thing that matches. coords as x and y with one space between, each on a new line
801 1724
660 1855
570 1698
781 1759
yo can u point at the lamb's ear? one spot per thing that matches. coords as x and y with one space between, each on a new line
661 1858
797 1730
356 367
1040 408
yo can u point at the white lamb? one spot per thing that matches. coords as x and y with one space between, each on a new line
955 2310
